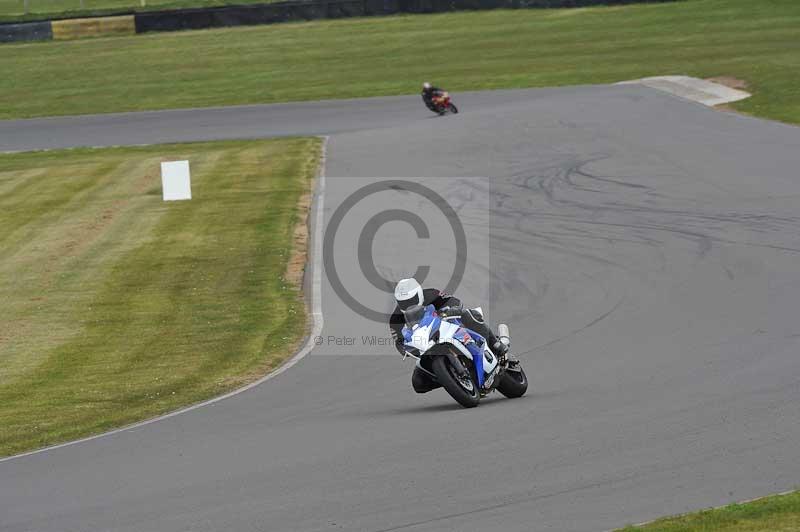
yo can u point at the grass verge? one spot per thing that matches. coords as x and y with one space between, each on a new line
779 513
758 42
118 306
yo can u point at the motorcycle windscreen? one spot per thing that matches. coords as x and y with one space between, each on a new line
419 315
413 315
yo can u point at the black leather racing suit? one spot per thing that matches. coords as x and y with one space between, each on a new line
430 296
420 380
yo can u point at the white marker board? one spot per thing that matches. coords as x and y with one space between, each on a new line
176 183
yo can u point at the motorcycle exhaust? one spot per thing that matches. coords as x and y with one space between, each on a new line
503 334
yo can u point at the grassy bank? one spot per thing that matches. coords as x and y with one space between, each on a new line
118 306
780 513
755 41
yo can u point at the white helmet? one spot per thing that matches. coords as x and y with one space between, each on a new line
425 86
408 293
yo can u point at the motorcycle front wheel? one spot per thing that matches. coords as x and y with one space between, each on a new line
463 389
453 109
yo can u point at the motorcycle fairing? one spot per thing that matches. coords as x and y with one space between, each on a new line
471 344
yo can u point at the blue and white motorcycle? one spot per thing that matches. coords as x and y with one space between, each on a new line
459 359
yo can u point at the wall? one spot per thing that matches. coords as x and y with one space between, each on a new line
77 28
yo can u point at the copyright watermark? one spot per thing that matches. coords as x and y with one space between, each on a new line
370 229
345 341
382 230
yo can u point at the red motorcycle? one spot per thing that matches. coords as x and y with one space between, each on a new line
443 105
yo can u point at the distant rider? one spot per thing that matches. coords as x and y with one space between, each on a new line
430 94
409 293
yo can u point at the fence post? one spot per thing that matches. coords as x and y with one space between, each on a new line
26 7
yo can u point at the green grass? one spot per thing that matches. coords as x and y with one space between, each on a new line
779 513
118 306
756 41
14 10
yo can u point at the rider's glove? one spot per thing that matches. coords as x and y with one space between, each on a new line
450 311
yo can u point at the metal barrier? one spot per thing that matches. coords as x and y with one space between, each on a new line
317 9
26 31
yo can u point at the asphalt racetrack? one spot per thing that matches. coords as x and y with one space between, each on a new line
644 250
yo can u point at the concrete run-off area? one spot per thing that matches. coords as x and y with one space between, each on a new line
697 90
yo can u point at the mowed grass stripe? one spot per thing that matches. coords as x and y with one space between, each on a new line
119 306
54 203
758 42
45 223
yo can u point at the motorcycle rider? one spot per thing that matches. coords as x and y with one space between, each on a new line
408 293
430 94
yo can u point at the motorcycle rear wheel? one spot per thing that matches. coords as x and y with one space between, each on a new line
458 390
513 384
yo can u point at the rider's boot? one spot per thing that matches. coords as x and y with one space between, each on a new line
511 361
499 348
504 356
474 320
